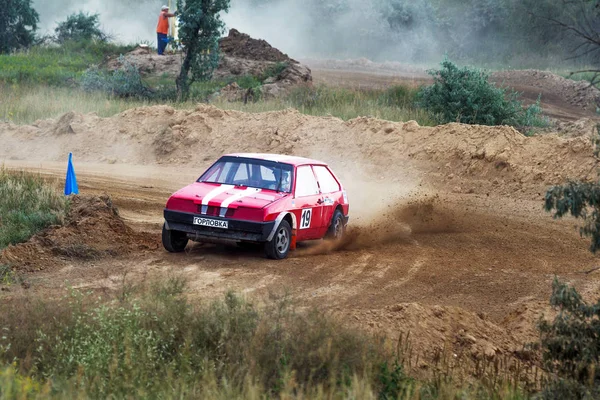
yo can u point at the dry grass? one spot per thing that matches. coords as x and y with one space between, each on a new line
153 342
25 105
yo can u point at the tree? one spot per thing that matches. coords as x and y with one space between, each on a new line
580 200
579 20
571 346
18 23
80 26
200 27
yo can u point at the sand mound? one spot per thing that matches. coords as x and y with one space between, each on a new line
576 93
93 230
460 158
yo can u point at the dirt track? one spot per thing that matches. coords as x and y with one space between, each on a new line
448 237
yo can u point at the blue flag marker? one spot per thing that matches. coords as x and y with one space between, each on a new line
71 181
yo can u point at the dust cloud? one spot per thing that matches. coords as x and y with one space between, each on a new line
127 21
301 28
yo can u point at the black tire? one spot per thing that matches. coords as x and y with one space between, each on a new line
279 247
174 241
337 229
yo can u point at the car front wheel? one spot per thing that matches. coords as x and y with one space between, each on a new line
279 247
174 241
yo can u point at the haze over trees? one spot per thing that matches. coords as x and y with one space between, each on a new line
507 32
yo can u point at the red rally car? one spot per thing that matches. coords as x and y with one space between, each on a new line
275 200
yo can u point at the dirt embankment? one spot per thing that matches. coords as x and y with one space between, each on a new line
464 158
93 230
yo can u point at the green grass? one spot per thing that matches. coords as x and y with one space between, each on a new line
153 342
55 65
27 205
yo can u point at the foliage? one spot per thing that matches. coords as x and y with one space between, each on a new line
156 343
7 275
465 95
150 340
394 383
56 65
200 27
123 82
580 200
571 346
577 21
27 205
80 26
18 23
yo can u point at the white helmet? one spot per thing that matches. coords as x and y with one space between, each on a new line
164 8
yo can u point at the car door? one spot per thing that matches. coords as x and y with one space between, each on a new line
308 204
331 192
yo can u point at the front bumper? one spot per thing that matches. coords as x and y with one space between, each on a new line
238 230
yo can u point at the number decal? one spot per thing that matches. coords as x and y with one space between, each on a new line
305 219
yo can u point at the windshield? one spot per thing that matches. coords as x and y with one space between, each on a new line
250 172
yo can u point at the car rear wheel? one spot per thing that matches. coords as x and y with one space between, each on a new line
174 241
279 247
337 228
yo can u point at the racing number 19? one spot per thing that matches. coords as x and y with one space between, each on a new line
305 219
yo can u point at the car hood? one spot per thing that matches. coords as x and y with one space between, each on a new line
228 196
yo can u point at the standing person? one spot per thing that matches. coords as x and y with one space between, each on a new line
162 30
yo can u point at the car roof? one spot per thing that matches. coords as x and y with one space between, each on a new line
281 158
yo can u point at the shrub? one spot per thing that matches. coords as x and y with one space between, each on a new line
27 205
465 95
571 346
124 82
80 26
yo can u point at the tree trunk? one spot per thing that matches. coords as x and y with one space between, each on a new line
183 86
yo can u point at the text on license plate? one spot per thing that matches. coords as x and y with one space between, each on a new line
213 223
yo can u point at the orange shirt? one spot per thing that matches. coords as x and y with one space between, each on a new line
163 23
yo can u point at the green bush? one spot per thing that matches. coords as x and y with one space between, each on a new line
465 95
571 346
123 82
80 26
27 205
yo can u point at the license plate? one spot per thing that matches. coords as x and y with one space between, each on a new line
213 223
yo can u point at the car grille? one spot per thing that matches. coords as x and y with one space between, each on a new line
215 211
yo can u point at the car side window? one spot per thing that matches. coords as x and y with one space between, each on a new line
306 184
326 180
